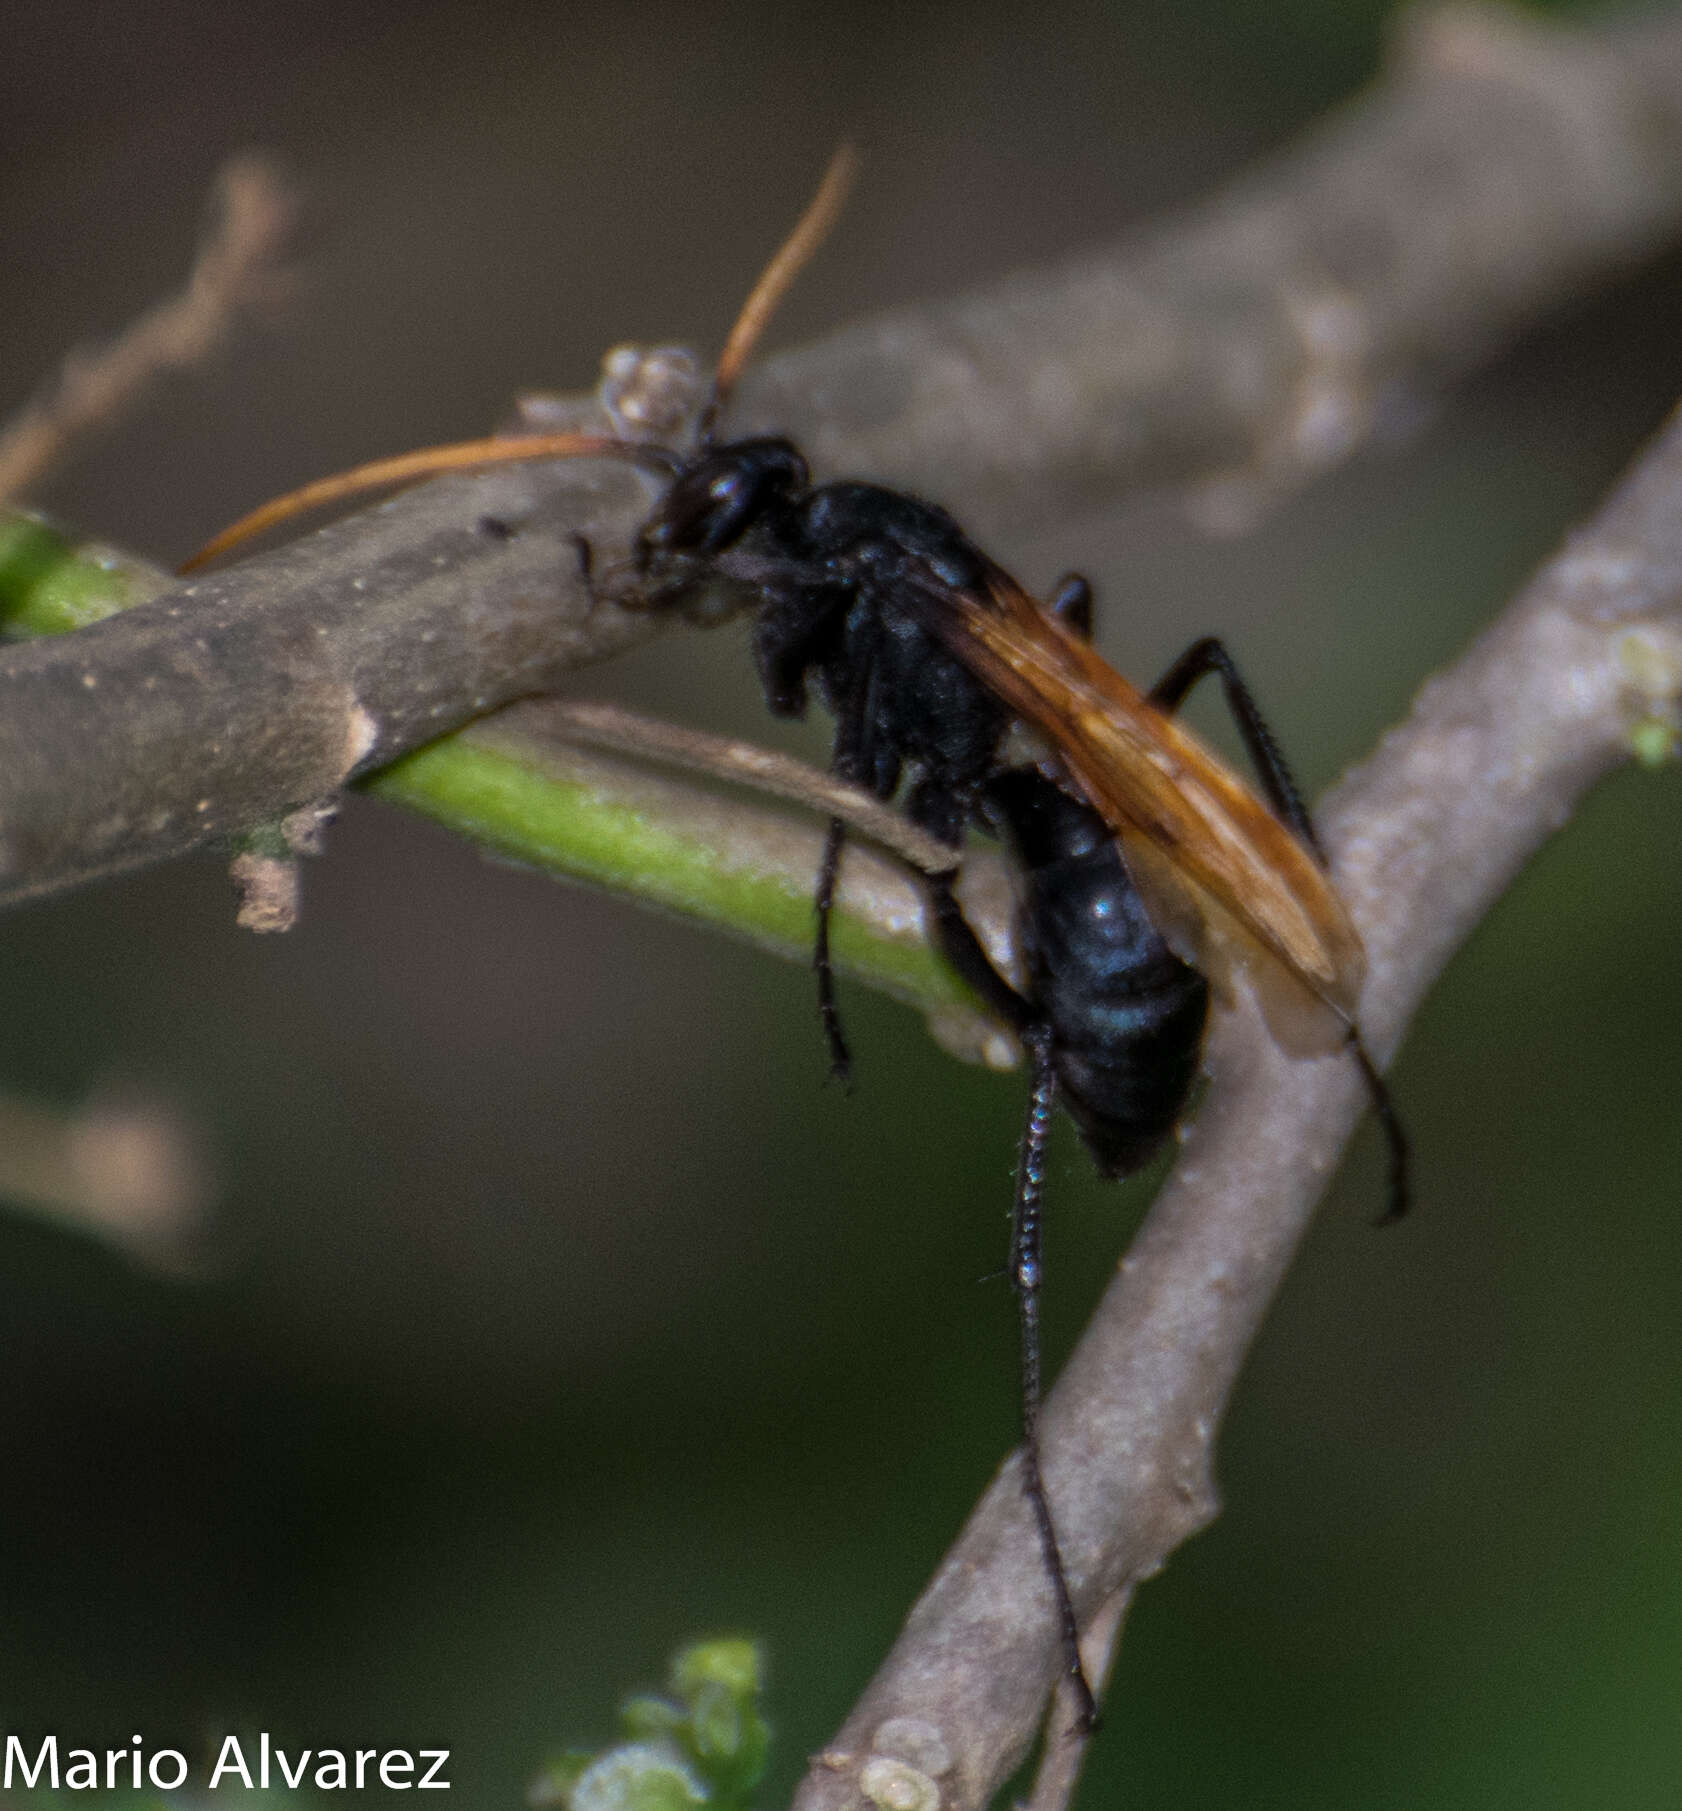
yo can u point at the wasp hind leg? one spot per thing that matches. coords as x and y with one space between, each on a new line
963 949
1026 1275
1210 656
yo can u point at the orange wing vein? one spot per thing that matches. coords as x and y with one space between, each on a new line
1147 775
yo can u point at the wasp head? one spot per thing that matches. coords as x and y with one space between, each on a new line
722 495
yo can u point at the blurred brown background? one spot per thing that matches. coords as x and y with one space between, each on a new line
558 1311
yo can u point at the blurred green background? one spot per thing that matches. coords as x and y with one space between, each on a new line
558 1312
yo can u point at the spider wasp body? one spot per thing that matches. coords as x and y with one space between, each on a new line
921 646
929 656
843 574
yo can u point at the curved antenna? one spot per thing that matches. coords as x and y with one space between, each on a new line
810 231
423 462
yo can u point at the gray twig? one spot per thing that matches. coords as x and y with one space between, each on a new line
1491 760
241 267
764 770
250 693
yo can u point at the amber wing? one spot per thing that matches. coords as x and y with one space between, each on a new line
1149 776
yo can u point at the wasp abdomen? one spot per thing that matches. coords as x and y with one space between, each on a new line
1125 1015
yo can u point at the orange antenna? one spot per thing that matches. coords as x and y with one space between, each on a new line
423 462
810 231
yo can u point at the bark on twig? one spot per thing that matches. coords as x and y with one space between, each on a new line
1496 752
250 693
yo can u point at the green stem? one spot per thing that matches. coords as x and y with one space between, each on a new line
50 585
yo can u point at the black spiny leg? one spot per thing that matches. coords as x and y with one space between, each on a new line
963 950
1390 1123
1025 1276
1210 656
849 762
823 903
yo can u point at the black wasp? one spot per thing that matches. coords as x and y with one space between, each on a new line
928 655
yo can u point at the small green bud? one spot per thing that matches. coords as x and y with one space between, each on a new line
730 1662
716 1718
640 1776
647 1718
1653 741
1650 666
